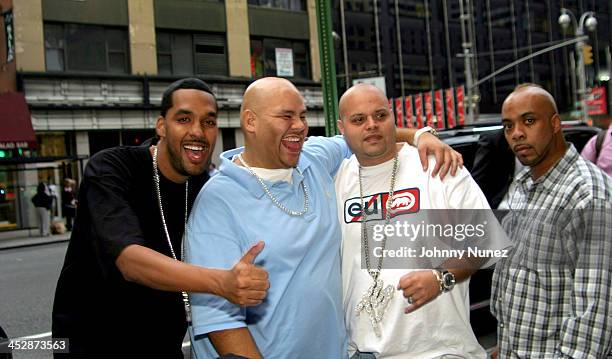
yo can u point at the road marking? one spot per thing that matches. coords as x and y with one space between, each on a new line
48 334
36 336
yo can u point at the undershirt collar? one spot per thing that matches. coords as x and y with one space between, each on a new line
272 175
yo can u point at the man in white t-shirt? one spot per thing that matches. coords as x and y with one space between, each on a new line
390 326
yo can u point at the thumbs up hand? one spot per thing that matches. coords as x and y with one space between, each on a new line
247 284
251 254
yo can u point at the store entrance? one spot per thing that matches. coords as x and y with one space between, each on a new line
18 184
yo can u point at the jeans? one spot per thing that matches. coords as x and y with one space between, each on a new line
360 355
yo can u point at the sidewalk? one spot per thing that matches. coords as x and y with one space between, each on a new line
28 237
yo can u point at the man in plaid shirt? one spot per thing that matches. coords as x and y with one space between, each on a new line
552 296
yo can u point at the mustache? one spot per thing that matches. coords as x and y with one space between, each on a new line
196 142
300 134
373 134
520 146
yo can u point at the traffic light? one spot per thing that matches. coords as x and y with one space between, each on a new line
587 54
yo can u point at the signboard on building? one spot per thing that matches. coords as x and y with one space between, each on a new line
375 81
399 113
284 62
10 39
428 108
596 101
439 109
418 106
460 107
409 111
450 107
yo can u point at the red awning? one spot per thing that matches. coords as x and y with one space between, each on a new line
15 123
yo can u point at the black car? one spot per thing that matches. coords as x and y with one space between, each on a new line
464 139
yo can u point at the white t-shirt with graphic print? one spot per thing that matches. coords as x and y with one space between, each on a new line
441 328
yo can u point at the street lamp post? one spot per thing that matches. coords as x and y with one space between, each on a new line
470 60
587 19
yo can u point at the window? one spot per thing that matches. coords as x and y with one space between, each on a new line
72 47
189 54
268 54
54 47
295 5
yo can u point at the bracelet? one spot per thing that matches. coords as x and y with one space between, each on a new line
415 139
438 276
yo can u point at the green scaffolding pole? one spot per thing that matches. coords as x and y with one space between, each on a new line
328 66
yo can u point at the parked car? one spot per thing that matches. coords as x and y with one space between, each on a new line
464 139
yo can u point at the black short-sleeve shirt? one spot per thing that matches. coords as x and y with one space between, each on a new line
95 307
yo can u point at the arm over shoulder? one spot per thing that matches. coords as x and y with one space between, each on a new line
330 151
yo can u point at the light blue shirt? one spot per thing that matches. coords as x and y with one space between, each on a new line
302 316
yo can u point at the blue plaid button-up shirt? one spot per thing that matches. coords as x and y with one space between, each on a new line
553 295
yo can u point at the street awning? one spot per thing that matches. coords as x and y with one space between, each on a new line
15 123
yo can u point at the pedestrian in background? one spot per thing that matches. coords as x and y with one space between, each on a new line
43 202
69 202
599 150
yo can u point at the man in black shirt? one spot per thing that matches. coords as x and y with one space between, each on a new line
119 291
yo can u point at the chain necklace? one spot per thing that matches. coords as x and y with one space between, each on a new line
274 199
377 297
161 212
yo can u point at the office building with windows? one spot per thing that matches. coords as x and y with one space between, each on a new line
500 31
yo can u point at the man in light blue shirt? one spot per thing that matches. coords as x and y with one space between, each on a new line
279 190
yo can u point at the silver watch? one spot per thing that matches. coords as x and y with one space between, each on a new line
446 279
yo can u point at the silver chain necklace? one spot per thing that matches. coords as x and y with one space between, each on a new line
186 303
377 297
274 199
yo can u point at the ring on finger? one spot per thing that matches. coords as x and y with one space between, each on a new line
410 301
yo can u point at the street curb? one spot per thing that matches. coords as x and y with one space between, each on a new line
30 242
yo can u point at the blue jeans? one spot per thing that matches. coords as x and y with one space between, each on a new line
360 355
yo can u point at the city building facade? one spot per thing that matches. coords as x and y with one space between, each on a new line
89 74
500 31
93 72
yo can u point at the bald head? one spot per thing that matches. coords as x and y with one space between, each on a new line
261 91
536 93
358 91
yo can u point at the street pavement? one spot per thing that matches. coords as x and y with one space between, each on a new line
29 276
29 268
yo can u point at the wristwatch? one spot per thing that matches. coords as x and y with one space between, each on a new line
415 140
446 280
